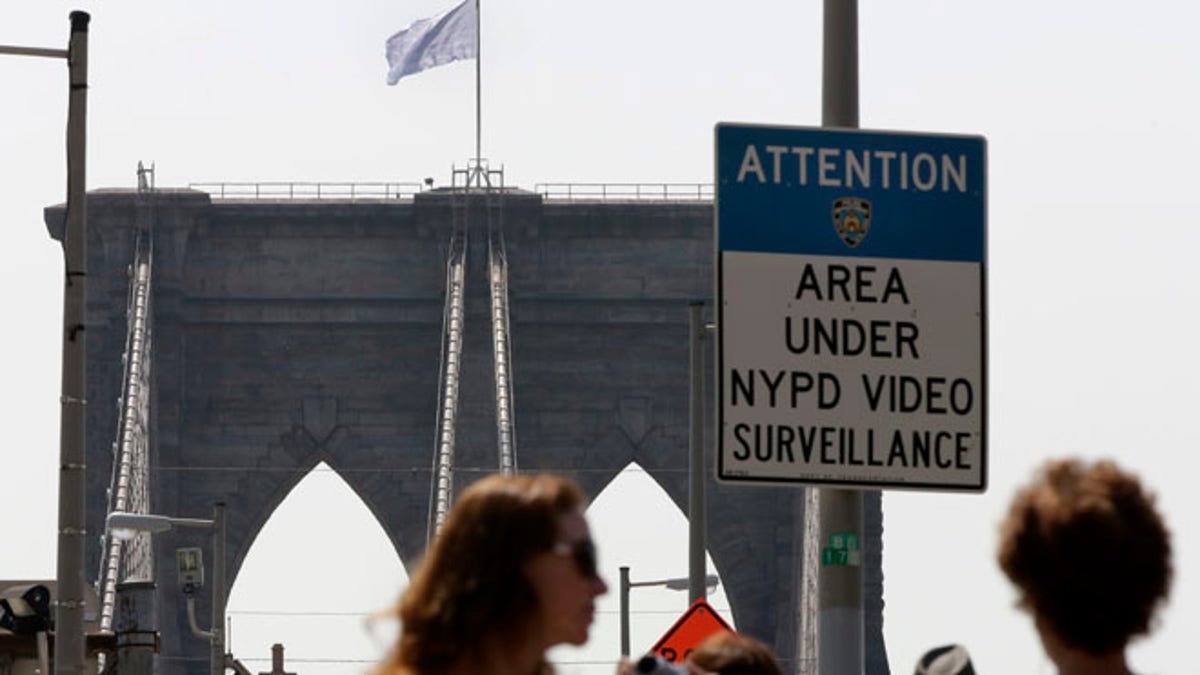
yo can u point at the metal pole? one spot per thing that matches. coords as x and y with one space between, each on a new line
839 76
840 618
218 591
625 611
70 640
478 94
34 51
137 641
696 515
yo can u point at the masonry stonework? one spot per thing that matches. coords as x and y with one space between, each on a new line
287 333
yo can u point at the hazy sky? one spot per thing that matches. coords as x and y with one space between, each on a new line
1088 107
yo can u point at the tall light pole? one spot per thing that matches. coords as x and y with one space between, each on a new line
680 584
840 620
123 525
69 639
697 520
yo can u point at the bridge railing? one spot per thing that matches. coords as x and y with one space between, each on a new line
299 190
674 192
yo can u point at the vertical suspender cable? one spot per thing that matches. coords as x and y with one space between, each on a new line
447 404
501 336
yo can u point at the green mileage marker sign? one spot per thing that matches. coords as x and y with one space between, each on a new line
842 551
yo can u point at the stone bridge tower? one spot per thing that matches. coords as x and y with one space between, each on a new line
291 332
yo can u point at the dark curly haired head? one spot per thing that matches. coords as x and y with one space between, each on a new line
1089 553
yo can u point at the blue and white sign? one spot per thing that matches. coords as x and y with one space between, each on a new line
851 308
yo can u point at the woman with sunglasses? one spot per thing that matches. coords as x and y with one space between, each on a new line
511 574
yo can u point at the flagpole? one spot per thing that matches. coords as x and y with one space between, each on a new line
478 99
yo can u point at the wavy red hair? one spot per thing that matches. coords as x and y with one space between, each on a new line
471 586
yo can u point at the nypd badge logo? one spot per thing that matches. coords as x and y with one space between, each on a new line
851 219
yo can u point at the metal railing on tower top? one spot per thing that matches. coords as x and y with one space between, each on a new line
672 192
473 176
302 190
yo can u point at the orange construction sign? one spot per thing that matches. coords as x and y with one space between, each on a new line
697 623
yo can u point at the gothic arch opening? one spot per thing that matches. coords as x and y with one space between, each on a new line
635 524
323 534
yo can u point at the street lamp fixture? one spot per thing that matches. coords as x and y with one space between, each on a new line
123 525
677 584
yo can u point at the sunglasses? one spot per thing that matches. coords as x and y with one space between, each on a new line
583 553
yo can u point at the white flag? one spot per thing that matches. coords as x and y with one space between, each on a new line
449 36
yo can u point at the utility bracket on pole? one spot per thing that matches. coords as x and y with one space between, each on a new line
477 174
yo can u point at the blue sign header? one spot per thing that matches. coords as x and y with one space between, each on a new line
850 193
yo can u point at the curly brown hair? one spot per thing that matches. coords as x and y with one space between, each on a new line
729 653
471 585
1089 553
